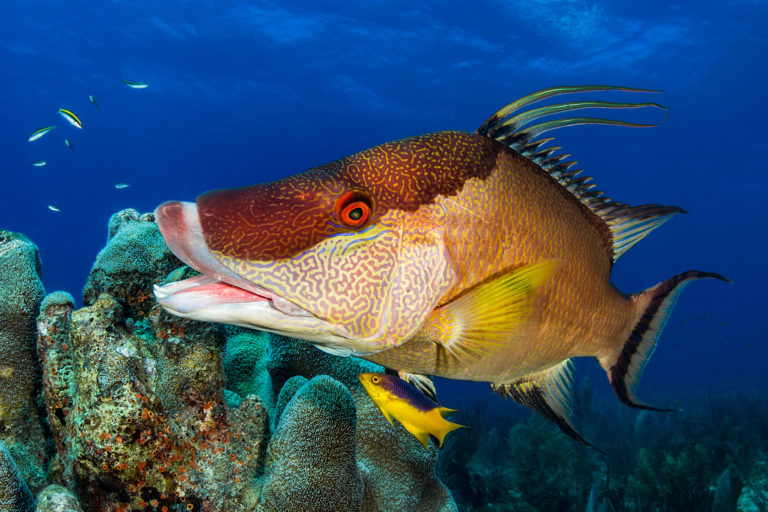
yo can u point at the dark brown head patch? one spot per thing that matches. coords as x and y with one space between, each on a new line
287 217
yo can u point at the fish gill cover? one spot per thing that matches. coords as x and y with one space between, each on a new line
176 98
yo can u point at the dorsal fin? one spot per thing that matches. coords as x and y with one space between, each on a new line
512 126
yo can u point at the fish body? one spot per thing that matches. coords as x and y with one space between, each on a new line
68 143
93 100
136 85
420 415
39 163
71 117
122 185
39 133
474 256
54 208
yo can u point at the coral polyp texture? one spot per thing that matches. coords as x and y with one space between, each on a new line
14 493
304 470
134 258
150 412
21 291
397 472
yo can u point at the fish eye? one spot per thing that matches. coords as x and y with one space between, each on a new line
353 209
375 379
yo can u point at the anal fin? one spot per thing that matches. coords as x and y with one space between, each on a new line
549 393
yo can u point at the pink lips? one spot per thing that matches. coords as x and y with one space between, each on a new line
216 290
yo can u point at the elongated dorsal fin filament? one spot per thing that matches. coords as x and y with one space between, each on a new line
514 127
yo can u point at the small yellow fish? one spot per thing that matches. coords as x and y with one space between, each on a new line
39 163
136 85
420 415
39 133
122 185
54 208
71 117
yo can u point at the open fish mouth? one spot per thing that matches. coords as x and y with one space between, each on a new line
218 295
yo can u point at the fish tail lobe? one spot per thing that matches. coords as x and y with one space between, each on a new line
651 310
441 427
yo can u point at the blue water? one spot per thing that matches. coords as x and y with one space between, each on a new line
247 92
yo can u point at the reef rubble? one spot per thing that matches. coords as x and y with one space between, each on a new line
133 409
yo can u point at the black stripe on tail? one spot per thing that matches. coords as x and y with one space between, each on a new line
639 346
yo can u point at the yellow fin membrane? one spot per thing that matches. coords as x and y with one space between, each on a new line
470 326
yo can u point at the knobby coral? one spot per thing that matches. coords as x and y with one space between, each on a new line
20 294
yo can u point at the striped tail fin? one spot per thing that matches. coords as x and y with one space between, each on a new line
652 307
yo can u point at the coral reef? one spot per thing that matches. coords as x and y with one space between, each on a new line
20 294
243 359
713 456
138 417
14 493
398 473
134 259
152 412
314 462
56 498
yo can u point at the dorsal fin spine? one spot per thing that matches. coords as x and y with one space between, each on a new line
513 127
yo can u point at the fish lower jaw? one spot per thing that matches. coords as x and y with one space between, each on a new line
260 313
191 297
287 307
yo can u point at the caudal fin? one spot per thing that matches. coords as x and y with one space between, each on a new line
652 308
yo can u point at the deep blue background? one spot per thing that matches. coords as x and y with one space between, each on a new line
245 92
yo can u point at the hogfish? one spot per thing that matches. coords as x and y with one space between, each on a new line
478 256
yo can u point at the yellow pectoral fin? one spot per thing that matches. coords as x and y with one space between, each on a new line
385 413
472 325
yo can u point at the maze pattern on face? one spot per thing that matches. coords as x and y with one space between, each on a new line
376 286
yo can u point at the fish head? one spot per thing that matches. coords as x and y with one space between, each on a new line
349 256
375 385
378 389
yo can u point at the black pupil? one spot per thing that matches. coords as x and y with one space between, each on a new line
356 214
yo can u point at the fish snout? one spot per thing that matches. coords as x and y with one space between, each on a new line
180 226
171 219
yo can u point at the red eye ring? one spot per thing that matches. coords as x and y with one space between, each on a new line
375 380
353 209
